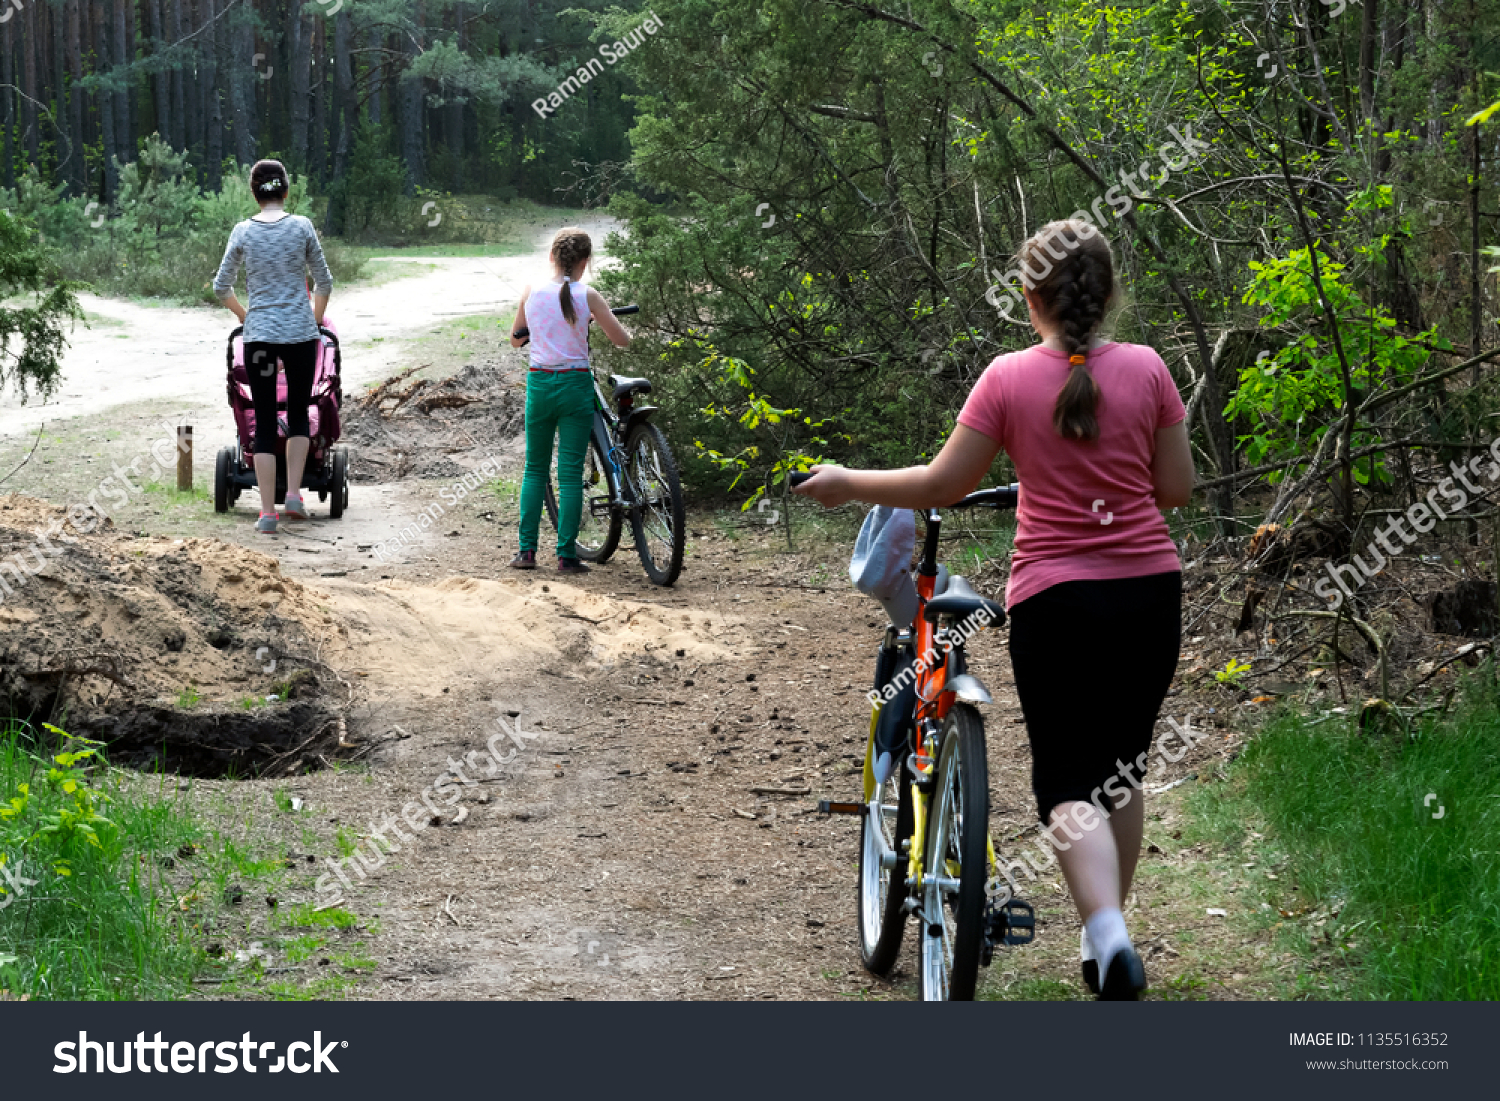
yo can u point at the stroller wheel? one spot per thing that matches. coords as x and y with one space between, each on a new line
338 491
224 493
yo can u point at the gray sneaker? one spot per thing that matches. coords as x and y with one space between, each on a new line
266 525
293 507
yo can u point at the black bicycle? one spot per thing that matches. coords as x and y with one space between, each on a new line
628 473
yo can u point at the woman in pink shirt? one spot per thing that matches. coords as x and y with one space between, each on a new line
1096 432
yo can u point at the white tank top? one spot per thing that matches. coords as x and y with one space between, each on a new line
554 342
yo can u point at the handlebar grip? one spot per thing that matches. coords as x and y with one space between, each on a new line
522 334
625 311
796 478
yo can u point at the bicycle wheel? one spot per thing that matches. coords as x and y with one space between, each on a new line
599 524
658 516
882 890
955 866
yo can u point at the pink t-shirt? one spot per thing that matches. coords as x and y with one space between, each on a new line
1087 509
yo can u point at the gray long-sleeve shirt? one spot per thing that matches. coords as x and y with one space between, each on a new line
277 257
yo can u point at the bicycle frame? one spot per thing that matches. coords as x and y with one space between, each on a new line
937 692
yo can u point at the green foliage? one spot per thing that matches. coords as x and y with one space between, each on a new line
787 432
37 304
1233 673
163 236
1293 397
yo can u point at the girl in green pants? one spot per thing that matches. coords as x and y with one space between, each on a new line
559 393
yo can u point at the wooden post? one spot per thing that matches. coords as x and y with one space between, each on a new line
185 458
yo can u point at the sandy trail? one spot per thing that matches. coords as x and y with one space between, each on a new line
175 356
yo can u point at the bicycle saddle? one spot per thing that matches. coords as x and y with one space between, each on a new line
960 602
625 386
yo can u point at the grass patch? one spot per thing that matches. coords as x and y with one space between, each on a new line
89 908
1379 898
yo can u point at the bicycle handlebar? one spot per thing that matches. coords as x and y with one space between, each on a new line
998 498
524 333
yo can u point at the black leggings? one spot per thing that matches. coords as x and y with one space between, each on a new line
301 362
1093 661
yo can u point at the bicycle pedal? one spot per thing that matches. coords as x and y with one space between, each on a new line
828 806
1013 923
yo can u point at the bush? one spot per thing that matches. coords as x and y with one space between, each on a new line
162 237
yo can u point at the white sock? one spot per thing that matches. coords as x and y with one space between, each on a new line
1085 946
1106 932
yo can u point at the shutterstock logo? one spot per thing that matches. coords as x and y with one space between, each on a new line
189 1058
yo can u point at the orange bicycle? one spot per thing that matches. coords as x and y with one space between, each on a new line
925 844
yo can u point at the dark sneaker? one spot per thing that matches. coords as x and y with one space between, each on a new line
571 565
1125 978
526 560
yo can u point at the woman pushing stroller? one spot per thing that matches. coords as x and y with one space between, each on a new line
278 251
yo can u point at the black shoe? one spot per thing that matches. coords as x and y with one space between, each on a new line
1124 979
571 565
526 560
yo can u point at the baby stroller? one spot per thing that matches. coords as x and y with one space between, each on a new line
327 469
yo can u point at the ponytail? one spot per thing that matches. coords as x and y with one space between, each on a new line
569 248
1074 414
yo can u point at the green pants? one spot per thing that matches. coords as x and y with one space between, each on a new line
559 404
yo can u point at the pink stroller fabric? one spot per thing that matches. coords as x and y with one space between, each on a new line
322 413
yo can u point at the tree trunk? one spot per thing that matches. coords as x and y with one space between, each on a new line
192 94
343 78
453 120
376 45
161 81
345 114
299 46
213 111
78 165
178 128
8 112
242 72
105 104
319 159
29 133
120 53
413 114
57 18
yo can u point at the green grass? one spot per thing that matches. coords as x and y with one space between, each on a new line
1380 899
112 927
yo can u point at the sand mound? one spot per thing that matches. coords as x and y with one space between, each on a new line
424 638
163 648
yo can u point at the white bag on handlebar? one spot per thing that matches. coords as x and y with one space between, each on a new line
881 565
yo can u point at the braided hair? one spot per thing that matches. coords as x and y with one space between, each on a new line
1073 280
570 247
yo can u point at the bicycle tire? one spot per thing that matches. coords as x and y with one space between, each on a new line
882 894
598 539
658 517
957 827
